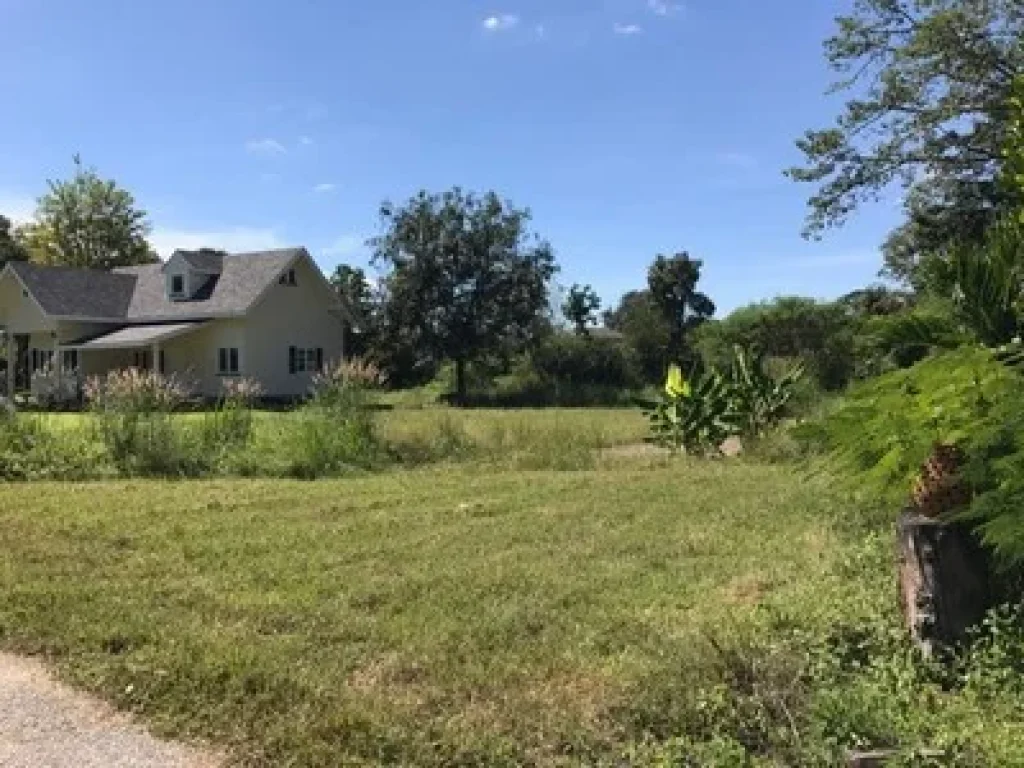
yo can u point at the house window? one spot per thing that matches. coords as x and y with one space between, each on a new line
305 359
227 361
69 360
288 278
177 285
41 359
143 360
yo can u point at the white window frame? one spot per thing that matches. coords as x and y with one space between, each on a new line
171 289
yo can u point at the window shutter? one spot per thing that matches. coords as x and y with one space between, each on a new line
291 359
233 359
319 359
222 359
163 367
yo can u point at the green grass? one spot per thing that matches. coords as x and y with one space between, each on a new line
449 616
428 617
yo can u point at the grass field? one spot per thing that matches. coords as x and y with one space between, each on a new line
646 611
429 616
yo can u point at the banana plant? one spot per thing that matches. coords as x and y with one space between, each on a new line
759 400
693 417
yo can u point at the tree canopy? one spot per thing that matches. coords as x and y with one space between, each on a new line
10 248
673 289
580 308
88 221
467 278
929 82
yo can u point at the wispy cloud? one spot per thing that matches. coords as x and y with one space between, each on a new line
265 147
627 29
664 7
540 31
305 141
325 187
20 209
232 239
501 22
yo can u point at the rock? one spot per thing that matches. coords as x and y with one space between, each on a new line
731 447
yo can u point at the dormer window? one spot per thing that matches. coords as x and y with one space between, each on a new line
177 285
288 278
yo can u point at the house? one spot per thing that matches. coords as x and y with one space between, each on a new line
205 316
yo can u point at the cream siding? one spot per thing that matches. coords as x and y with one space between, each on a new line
289 316
20 313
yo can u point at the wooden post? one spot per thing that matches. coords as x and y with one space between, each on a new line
944 580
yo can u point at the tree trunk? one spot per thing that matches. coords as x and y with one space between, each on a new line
944 580
460 381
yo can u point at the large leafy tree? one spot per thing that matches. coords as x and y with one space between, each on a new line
929 82
645 330
10 247
672 281
467 278
580 307
355 291
87 221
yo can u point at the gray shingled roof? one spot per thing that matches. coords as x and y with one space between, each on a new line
135 294
134 336
76 292
204 260
243 277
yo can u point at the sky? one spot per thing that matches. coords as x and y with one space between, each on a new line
628 127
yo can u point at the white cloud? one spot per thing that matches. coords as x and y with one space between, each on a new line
166 240
627 29
501 22
325 187
540 31
345 245
305 141
20 209
265 147
664 7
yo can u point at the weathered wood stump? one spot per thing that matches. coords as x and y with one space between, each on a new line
944 576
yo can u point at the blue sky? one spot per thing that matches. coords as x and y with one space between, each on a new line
629 127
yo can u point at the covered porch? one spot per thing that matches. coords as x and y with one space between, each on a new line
31 362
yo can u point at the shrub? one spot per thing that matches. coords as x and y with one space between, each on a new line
333 432
582 361
881 433
230 425
133 411
29 450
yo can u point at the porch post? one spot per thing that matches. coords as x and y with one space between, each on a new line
12 364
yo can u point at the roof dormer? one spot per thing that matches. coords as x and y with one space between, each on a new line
187 272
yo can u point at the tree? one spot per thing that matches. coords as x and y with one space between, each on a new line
932 80
354 289
10 248
819 333
644 330
467 279
581 304
673 286
88 222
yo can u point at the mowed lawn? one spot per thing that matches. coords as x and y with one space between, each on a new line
433 617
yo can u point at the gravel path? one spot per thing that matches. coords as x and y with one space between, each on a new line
44 724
